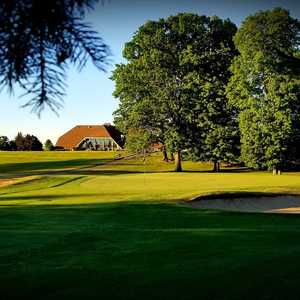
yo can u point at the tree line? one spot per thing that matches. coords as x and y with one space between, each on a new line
26 142
201 85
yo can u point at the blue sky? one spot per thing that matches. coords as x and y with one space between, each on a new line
89 97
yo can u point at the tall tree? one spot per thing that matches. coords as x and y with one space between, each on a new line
170 64
19 142
4 143
32 143
28 143
48 146
265 87
215 134
39 39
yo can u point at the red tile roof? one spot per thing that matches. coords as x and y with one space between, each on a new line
73 137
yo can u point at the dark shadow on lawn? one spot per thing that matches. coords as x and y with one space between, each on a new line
92 167
146 251
82 171
94 172
48 197
121 210
36 188
99 171
50 165
188 204
223 170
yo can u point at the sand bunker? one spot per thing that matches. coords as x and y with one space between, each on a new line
274 204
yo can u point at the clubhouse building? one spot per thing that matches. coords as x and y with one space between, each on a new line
91 137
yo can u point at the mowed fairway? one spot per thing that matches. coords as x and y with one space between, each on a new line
91 230
24 162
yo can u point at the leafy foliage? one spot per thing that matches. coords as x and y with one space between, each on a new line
28 143
38 40
265 88
48 146
4 143
138 141
173 83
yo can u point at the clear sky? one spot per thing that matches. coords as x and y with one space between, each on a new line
89 97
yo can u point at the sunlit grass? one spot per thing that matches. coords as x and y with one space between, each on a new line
116 231
27 161
113 187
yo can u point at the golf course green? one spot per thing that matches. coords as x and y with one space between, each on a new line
81 225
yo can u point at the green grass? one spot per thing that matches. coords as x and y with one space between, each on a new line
116 231
22 162
147 251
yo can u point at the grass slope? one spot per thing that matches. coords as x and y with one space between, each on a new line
147 251
116 231
98 188
26 161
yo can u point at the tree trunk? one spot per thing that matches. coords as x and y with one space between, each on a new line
172 156
178 167
276 170
164 153
216 166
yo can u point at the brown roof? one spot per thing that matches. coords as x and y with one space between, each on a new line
73 137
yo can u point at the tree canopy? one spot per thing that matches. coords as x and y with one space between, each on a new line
265 88
138 141
4 143
48 146
27 143
173 83
39 39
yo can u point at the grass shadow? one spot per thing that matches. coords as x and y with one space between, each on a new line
48 197
28 167
229 170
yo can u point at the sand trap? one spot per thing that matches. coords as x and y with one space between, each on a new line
280 204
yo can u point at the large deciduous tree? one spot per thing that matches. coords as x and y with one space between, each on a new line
265 88
39 39
173 81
